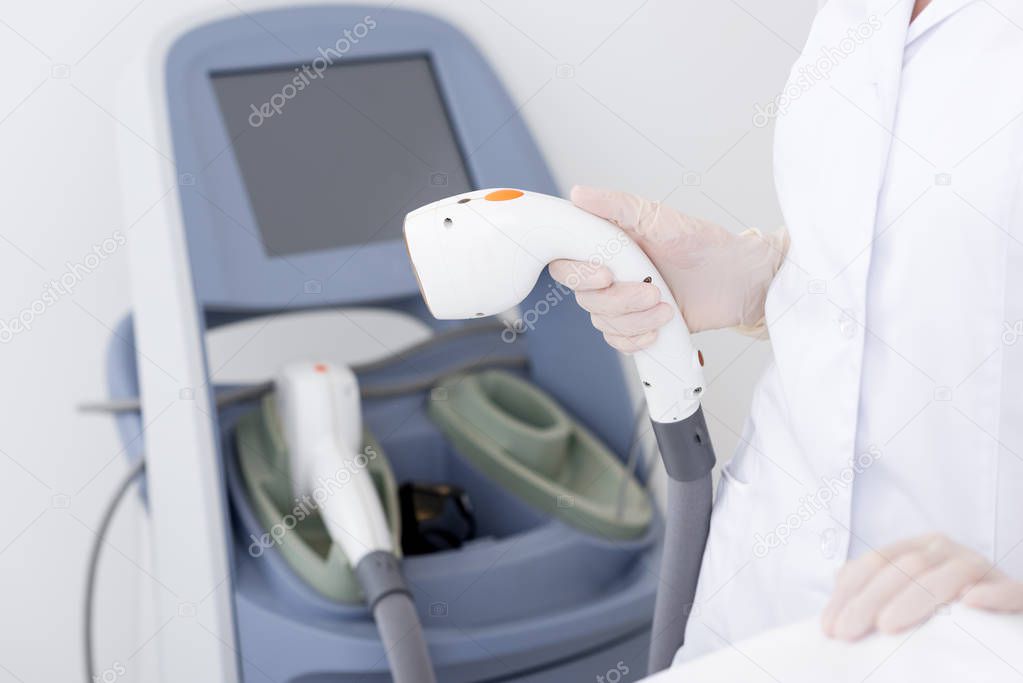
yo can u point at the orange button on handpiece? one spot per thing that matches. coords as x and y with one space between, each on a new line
503 195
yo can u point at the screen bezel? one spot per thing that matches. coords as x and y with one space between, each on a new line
230 268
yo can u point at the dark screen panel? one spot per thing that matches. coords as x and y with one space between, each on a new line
337 157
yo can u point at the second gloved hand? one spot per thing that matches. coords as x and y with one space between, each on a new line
718 279
898 587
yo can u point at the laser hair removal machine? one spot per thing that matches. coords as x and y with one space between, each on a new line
480 253
268 161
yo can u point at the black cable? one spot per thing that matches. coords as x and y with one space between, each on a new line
90 578
429 342
427 382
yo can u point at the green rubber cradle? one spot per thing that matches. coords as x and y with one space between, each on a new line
524 440
306 546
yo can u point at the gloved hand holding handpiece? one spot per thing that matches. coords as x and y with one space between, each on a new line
718 279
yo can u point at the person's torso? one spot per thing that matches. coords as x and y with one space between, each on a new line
891 408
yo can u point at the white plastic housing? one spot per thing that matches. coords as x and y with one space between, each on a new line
321 419
475 257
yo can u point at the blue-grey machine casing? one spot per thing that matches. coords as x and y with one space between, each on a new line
532 600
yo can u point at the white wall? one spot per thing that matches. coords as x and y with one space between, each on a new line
647 92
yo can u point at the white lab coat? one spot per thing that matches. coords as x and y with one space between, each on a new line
894 405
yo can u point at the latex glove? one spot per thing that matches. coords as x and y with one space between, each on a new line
718 279
904 584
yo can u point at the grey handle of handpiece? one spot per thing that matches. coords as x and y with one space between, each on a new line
688 458
397 621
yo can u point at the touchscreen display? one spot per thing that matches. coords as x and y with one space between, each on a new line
337 157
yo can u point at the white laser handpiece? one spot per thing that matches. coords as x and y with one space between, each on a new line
480 253
321 419
322 423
